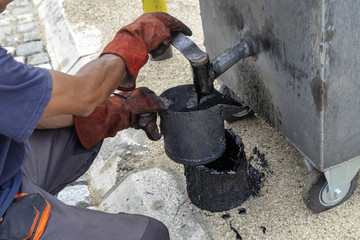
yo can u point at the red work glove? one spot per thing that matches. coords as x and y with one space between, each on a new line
120 112
150 33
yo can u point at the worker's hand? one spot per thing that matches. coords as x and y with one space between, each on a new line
137 109
150 33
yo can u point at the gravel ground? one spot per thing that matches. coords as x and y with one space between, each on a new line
279 212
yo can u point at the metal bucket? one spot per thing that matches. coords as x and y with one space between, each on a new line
192 136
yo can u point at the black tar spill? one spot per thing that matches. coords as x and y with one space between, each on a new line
255 176
263 229
261 156
242 211
238 236
226 216
255 180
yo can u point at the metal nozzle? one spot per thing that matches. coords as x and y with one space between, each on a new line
204 71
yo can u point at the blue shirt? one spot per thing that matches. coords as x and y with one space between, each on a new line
24 93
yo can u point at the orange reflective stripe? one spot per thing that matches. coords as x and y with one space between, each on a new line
20 195
43 221
33 224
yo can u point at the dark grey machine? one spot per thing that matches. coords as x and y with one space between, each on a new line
304 80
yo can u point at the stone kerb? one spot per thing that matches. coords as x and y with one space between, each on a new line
65 45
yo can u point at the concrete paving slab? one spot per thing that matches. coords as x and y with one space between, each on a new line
154 193
105 170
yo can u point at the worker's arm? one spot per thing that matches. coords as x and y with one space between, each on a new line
54 122
81 93
117 67
127 52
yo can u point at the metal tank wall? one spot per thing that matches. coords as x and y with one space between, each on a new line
305 79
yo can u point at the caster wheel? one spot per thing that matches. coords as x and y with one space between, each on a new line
316 192
233 117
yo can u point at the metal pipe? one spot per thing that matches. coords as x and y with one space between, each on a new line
204 71
231 56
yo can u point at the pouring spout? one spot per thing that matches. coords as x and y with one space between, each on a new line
204 71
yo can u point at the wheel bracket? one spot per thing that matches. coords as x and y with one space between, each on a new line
339 177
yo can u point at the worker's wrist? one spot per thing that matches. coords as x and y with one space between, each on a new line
125 78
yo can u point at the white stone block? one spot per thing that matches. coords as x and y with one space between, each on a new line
154 193
77 195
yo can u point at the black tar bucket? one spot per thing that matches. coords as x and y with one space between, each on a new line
222 184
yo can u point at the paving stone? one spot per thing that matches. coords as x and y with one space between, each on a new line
25 17
10 5
26 27
20 59
80 181
28 49
22 3
32 36
104 170
10 50
36 59
6 12
6 31
7 21
46 66
22 10
77 195
10 40
153 193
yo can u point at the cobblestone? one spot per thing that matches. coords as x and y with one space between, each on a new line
32 36
26 27
20 34
37 59
22 10
29 49
11 40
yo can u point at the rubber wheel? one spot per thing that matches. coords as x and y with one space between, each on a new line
315 192
239 115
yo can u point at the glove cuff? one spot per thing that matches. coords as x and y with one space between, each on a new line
132 49
106 120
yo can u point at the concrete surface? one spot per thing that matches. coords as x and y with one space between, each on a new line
155 193
277 213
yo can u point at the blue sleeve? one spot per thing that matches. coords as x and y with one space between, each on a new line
24 93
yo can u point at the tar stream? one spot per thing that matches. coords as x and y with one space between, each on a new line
256 178
238 236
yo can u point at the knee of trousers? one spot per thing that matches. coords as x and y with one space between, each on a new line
156 230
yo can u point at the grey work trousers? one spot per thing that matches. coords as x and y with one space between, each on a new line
56 159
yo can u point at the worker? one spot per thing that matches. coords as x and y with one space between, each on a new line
52 125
